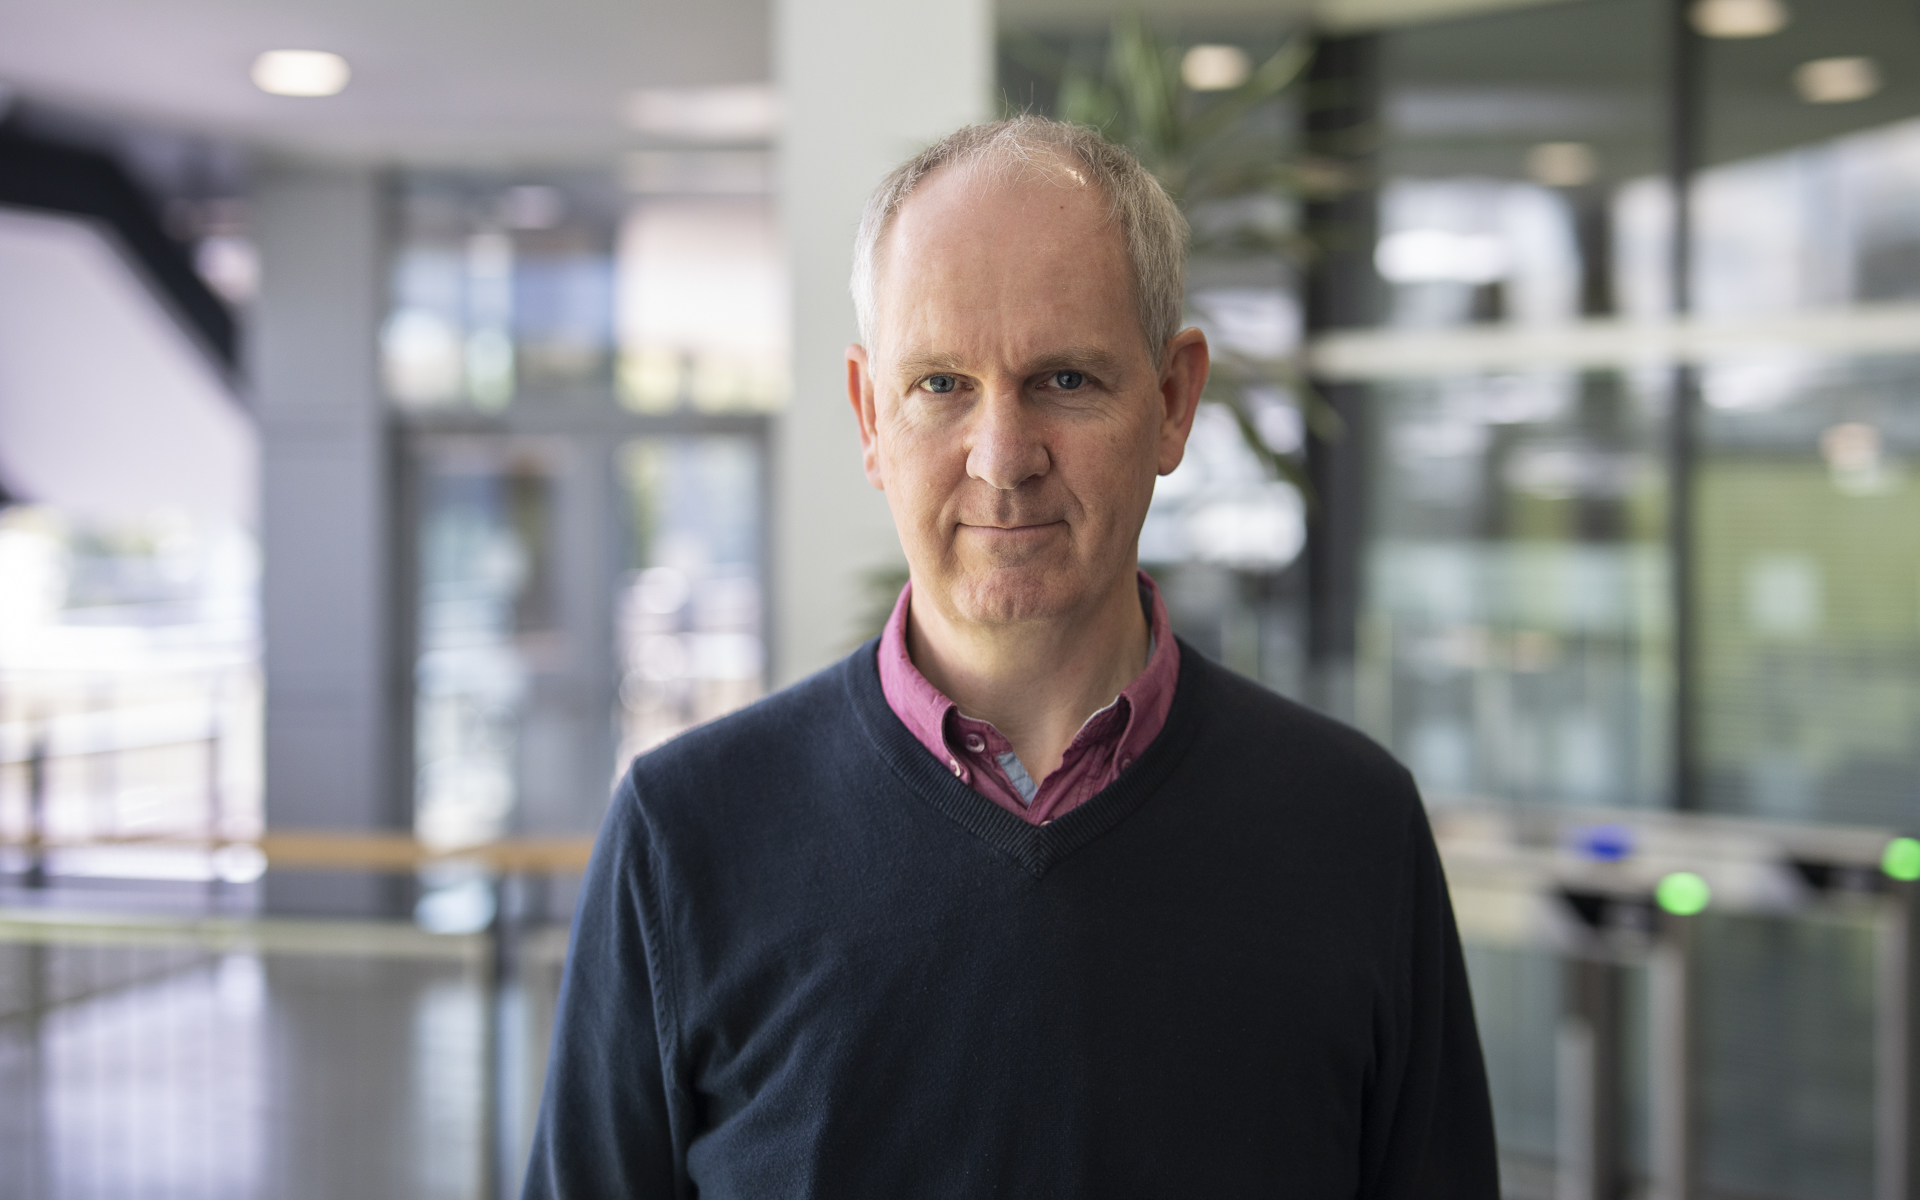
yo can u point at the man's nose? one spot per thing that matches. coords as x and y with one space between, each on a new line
1006 446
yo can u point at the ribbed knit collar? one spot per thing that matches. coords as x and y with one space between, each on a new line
1036 848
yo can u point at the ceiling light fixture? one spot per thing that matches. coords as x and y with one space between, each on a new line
1836 80
698 172
740 112
1215 68
300 73
1739 18
1562 164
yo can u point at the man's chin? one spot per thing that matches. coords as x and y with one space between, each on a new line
1017 595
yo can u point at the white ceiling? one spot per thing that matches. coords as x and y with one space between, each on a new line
1340 16
432 79
106 405
466 80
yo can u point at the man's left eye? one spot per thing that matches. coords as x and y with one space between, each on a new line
1066 381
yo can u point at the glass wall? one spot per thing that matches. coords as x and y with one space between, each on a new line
690 628
703 304
500 287
129 694
488 614
1515 636
579 364
1809 538
1514 632
1806 553
1517 375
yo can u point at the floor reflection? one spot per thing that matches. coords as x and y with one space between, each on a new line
134 1072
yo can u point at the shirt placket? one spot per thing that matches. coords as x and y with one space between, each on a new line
972 745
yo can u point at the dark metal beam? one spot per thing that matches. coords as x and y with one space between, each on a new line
1683 144
1342 291
50 177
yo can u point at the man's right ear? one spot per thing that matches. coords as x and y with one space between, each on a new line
860 392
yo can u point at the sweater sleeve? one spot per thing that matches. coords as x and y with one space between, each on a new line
1431 1131
607 1118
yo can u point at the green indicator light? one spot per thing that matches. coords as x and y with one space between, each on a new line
1683 893
1902 859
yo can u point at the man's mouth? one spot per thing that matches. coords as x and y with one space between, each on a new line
1023 527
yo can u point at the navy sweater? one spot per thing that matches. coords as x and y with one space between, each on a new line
809 962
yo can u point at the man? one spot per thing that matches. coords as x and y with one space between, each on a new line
1026 898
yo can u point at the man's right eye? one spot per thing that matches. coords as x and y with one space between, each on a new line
940 384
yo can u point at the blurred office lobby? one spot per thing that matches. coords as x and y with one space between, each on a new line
408 414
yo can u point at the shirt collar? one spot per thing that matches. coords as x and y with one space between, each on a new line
923 708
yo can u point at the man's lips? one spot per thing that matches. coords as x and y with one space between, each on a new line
1029 527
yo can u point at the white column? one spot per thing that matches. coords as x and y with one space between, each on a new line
334 727
865 84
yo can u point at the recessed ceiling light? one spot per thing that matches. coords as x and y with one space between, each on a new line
1562 164
739 112
1739 18
1215 68
698 172
1836 80
300 72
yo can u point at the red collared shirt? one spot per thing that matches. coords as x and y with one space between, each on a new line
976 752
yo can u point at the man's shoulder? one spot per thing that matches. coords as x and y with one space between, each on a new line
1260 730
767 739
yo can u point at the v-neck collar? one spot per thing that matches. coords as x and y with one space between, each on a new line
1036 848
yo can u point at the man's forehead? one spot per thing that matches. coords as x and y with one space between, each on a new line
927 333
919 358
1033 202
1029 259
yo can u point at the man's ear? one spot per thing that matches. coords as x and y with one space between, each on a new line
860 393
1183 376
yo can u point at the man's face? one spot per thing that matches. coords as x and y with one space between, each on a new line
1009 406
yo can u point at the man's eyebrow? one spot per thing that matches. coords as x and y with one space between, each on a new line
1082 358
928 363
1104 363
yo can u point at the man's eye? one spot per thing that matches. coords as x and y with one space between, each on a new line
1066 381
940 383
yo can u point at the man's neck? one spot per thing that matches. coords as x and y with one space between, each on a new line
1036 682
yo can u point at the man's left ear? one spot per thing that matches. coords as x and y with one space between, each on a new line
1183 376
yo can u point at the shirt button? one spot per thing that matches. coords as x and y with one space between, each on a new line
976 743
955 764
1125 763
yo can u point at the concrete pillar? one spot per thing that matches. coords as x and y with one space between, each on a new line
336 717
865 83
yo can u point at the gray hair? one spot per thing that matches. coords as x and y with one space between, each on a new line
1024 146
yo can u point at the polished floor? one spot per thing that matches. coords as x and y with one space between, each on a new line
130 1072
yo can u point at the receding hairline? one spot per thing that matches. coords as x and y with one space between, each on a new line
987 173
1154 232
